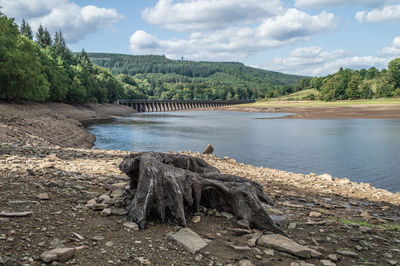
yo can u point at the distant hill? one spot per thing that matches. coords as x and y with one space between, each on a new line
143 64
175 78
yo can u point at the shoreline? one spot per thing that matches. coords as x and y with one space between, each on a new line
313 111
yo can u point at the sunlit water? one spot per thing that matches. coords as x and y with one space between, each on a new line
363 150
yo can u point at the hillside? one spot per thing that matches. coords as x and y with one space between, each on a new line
160 77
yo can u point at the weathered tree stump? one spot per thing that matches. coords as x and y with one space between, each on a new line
166 185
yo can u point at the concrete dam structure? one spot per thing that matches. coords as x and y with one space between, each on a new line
171 105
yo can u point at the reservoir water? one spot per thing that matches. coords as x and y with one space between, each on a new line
363 150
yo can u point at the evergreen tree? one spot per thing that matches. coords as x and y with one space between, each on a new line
26 30
61 49
352 91
43 37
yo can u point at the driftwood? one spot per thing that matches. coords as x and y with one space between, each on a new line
165 185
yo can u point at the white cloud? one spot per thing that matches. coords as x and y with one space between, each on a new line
393 50
73 20
329 3
236 43
385 14
313 61
195 15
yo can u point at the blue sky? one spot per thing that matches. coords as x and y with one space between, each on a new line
307 37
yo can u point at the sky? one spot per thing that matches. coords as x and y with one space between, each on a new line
304 37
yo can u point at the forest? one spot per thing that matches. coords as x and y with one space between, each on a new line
46 70
158 77
348 84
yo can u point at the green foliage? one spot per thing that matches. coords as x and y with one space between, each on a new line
26 30
156 77
20 69
394 72
351 84
47 70
43 38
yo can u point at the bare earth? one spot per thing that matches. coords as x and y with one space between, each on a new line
346 222
364 111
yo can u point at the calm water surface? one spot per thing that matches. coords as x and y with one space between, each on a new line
363 150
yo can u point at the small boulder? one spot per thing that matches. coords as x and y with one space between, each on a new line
287 245
57 254
189 240
209 149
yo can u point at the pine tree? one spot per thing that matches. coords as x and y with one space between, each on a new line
43 38
61 49
26 30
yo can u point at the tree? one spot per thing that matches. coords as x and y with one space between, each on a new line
365 90
372 73
394 72
26 30
352 91
43 37
61 49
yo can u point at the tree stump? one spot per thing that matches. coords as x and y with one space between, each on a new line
167 185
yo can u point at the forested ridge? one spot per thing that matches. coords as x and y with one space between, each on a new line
161 78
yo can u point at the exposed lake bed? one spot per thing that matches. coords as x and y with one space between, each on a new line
348 223
362 150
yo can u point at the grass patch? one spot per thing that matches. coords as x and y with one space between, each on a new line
389 227
356 222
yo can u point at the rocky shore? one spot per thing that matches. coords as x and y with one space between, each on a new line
64 205
53 123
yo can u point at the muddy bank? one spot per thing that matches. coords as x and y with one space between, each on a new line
367 111
74 199
53 123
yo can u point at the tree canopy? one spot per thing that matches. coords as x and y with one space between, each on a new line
46 70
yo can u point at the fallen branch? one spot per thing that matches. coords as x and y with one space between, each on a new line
15 214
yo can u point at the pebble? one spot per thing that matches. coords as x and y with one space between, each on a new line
348 253
196 219
131 225
333 257
106 212
292 226
43 196
315 214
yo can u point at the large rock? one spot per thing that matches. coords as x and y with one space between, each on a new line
287 245
189 240
57 254
209 149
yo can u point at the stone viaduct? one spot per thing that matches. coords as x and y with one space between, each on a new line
171 105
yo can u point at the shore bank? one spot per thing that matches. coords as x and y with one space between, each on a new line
324 110
53 123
